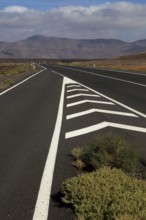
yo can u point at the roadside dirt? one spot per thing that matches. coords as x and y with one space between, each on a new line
135 65
7 79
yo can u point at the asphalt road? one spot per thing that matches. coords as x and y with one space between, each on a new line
119 108
132 92
27 119
45 117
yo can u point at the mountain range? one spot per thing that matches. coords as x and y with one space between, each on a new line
65 48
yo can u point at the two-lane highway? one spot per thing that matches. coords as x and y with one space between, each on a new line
43 118
128 88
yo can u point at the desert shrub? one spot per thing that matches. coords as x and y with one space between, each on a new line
111 150
76 152
19 68
9 82
13 69
6 83
106 194
78 164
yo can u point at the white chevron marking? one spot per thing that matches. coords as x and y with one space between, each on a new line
78 114
89 101
72 90
82 94
102 125
73 86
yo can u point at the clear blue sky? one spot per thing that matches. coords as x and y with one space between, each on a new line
45 4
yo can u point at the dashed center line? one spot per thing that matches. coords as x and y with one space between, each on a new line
78 114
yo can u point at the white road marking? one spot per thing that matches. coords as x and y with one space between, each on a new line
43 200
81 94
102 125
109 77
73 86
22 82
78 114
73 90
121 71
89 101
107 97
42 204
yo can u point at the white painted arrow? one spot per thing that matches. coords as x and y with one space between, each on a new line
102 125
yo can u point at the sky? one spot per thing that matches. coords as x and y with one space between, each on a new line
79 19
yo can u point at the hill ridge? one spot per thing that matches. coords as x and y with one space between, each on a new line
39 46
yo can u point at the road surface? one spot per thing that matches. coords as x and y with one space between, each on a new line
43 118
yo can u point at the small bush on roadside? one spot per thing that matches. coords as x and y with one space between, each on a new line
110 150
78 164
76 152
6 83
107 194
9 82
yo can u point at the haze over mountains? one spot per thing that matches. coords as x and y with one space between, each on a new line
64 48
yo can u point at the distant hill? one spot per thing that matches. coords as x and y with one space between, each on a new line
65 48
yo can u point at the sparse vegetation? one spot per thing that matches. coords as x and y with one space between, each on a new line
76 152
6 84
109 150
105 188
78 164
9 73
106 194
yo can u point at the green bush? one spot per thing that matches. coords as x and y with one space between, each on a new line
110 150
106 194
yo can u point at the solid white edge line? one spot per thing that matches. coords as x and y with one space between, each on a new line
89 101
113 70
22 81
78 114
102 125
43 200
109 77
113 100
120 71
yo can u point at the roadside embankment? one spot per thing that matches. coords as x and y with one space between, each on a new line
11 73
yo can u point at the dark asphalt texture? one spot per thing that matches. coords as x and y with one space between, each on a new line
27 119
126 93
132 95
